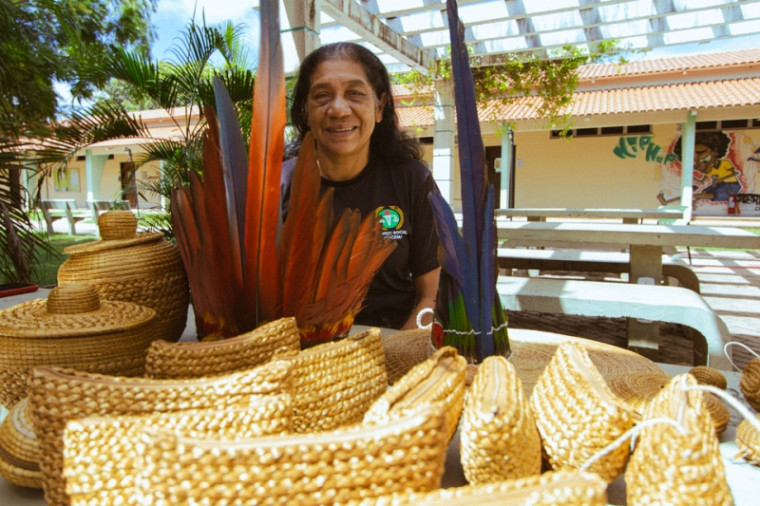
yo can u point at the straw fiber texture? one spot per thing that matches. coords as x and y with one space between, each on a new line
350 464
101 455
142 268
638 389
677 466
748 441
59 395
18 447
75 328
577 414
439 379
405 349
566 488
498 436
335 383
709 376
749 383
166 360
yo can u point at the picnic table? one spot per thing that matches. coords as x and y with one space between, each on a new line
627 215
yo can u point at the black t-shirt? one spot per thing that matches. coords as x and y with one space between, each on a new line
398 195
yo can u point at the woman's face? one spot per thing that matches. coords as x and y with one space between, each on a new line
704 158
342 110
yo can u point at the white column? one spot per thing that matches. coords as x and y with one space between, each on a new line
303 18
688 131
444 139
506 167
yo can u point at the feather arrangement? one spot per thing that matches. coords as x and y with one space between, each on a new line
244 266
468 312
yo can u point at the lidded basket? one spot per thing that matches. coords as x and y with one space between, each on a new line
74 328
124 265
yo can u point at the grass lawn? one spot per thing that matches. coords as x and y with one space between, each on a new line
47 268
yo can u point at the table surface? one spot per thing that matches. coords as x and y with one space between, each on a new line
629 234
568 212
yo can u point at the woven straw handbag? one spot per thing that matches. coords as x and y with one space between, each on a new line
566 488
335 383
59 395
749 383
334 467
577 414
19 448
405 349
498 436
748 441
75 328
166 360
439 379
142 268
681 464
101 454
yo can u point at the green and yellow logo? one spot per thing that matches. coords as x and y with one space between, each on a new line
391 217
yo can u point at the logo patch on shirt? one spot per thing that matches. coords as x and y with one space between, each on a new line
392 219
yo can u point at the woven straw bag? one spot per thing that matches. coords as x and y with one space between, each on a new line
334 383
166 360
59 395
568 488
498 436
18 447
101 454
335 467
142 268
405 349
677 466
438 380
748 442
577 414
75 328
749 383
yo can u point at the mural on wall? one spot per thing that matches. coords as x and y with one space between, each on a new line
67 180
724 164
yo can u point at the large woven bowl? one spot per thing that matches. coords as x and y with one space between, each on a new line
72 328
125 265
59 395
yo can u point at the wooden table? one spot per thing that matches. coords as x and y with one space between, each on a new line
627 215
645 244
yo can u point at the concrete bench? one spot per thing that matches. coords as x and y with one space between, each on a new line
98 206
56 209
623 300
591 261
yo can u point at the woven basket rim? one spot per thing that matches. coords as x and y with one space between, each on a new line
110 244
13 464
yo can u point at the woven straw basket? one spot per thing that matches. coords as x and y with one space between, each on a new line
58 396
336 382
749 383
18 448
438 380
135 267
566 488
193 360
75 328
101 454
748 441
573 404
669 466
499 439
405 349
350 464
709 376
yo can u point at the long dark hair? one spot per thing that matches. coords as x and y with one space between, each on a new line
388 141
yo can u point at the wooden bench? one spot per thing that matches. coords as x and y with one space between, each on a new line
98 206
55 209
574 260
623 300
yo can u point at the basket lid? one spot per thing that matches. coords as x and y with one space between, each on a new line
118 229
72 310
18 447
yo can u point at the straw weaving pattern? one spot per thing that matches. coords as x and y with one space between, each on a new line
439 379
499 439
749 383
335 467
577 414
72 328
671 467
101 454
568 488
638 389
167 360
18 448
335 383
405 349
59 395
709 376
748 441
142 268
